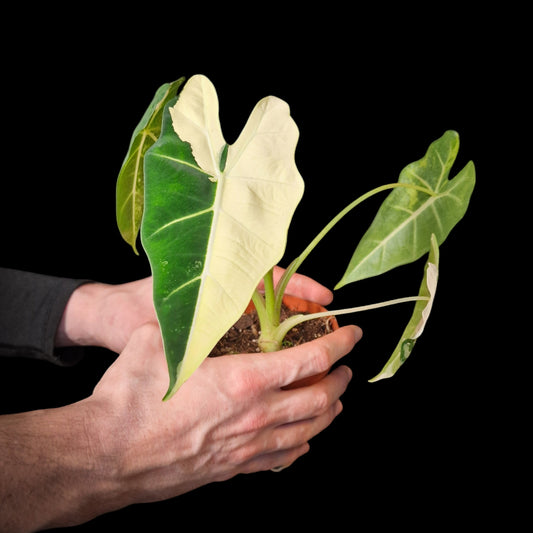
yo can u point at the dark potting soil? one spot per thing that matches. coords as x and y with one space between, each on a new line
243 335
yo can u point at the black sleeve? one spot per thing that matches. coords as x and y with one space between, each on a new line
31 307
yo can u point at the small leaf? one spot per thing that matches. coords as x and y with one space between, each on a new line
420 315
216 218
402 228
130 182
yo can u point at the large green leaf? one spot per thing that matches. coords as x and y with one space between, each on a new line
130 182
402 229
216 218
420 315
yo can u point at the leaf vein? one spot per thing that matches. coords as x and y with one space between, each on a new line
237 222
182 162
400 227
181 287
181 219
421 180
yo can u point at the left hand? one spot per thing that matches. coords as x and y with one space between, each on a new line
304 287
99 314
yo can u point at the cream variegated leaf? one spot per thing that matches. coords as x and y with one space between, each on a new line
419 318
216 218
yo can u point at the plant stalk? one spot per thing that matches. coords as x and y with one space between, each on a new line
291 322
270 299
259 303
293 267
268 320
269 306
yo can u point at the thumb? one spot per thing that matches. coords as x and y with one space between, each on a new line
140 365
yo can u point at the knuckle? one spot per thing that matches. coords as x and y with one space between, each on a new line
256 419
241 455
148 332
321 400
321 358
246 381
244 453
240 385
292 437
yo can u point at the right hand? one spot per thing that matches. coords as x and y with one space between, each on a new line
231 416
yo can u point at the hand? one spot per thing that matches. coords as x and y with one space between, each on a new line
99 314
230 417
123 445
304 287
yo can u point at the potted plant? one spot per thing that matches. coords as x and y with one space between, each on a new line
214 218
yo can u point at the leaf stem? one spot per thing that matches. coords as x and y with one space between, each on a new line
259 303
294 320
293 267
268 319
270 298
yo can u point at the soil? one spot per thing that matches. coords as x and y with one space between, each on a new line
243 335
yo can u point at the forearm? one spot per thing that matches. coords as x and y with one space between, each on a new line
52 470
32 306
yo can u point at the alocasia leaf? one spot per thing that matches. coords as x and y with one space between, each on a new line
420 315
216 218
130 182
401 231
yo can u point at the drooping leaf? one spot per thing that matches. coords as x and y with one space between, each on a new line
130 182
401 231
216 218
420 315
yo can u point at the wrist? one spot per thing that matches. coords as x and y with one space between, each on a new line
92 486
79 323
96 483
112 429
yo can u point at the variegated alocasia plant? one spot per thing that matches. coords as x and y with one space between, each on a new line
215 218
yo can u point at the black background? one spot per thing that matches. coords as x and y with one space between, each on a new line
418 449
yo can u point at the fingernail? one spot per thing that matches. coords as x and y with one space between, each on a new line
350 373
358 333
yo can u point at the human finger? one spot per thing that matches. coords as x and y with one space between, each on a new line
142 358
313 400
275 450
290 435
279 369
305 287
294 405
273 460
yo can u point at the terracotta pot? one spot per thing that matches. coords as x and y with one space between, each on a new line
303 306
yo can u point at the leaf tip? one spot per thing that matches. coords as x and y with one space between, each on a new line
172 389
339 285
168 395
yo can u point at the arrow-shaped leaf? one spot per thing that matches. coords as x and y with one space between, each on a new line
130 182
216 218
420 315
402 228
